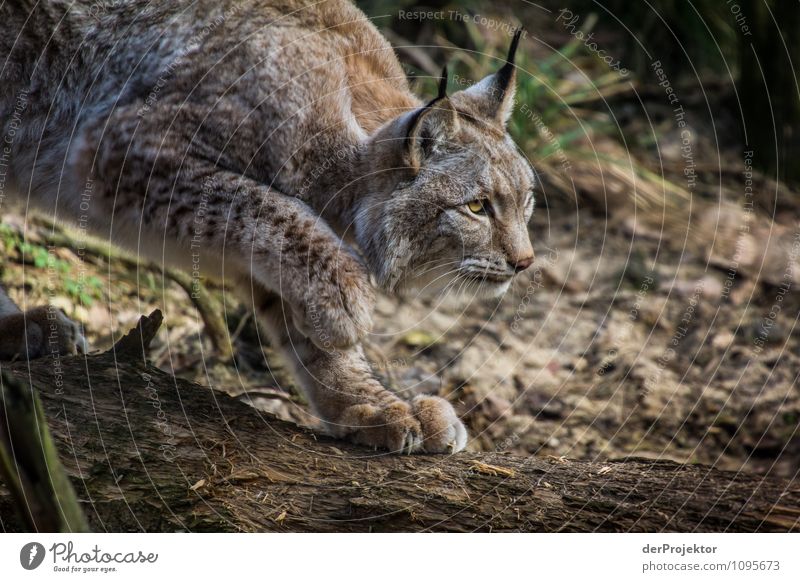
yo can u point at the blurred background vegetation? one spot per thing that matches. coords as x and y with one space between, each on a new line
737 58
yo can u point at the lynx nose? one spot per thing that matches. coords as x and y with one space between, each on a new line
521 264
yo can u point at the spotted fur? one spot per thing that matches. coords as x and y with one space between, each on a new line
277 144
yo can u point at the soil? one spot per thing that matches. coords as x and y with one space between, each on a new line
611 346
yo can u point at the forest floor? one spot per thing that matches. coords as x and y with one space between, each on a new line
595 353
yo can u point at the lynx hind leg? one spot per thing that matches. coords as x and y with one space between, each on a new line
38 332
353 404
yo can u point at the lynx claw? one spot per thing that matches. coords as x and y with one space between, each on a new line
412 443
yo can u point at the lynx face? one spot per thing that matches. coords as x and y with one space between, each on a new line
450 196
467 212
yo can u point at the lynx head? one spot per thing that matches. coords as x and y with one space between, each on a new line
449 194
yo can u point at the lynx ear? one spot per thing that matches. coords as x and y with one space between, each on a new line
431 126
492 98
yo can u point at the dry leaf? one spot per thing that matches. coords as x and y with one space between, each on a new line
419 339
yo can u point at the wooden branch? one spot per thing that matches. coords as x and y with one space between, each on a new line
210 311
137 341
147 451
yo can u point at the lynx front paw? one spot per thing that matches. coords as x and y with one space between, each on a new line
442 431
391 426
425 425
39 332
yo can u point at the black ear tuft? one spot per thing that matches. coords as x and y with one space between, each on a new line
442 84
431 125
492 98
512 51
505 74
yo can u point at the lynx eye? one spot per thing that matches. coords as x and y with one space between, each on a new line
477 206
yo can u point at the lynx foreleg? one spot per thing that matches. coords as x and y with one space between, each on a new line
345 394
184 206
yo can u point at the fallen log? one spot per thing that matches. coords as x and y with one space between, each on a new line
146 451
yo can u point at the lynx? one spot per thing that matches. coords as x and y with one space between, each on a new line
275 144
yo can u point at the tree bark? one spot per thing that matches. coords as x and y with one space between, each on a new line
150 452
